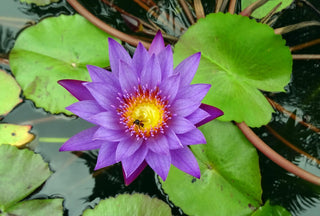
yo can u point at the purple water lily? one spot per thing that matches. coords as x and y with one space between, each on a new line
146 111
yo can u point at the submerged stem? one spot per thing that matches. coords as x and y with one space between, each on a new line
305 45
290 145
275 157
305 56
293 116
4 61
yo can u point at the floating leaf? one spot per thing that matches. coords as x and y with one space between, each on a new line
48 207
266 8
230 175
9 93
17 135
21 171
125 204
39 2
268 209
238 57
56 48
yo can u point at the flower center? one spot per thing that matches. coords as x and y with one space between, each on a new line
144 113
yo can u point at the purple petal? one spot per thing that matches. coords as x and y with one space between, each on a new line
213 112
198 116
151 73
140 57
185 107
104 95
135 174
181 125
85 109
187 68
157 44
128 77
107 120
184 160
106 155
194 93
166 62
159 163
98 74
76 88
82 141
173 140
108 135
117 52
192 137
170 87
132 163
127 147
158 144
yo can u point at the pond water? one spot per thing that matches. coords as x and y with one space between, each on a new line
81 187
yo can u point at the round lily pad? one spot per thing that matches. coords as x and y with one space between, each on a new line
9 93
17 135
39 2
267 7
54 49
36 207
21 171
239 57
230 175
135 204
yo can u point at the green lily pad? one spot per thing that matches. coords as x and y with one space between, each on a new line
125 204
266 8
17 135
238 57
9 93
48 207
21 171
39 2
54 49
230 175
273 210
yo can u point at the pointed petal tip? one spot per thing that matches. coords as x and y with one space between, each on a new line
111 40
214 113
157 44
129 179
62 148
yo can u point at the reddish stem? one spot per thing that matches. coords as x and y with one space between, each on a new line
275 157
187 11
103 26
232 6
4 61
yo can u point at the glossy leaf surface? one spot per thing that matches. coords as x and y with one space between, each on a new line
230 175
267 7
17 171
9 93
125 204
239 57
54 49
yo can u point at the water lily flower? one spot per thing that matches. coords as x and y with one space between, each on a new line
146 111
